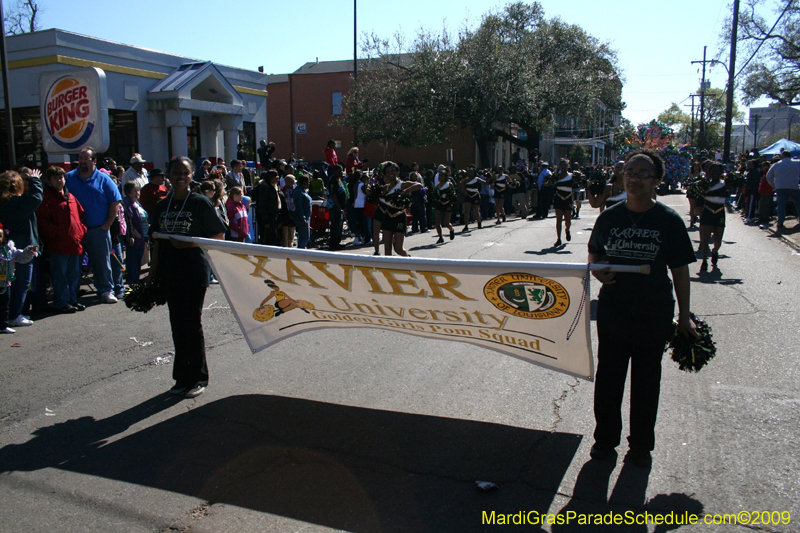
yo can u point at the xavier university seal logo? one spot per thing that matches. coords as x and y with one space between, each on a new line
70 117
527 296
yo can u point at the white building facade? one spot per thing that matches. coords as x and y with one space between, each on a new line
160 105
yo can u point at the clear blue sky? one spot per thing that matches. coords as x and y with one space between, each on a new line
655 41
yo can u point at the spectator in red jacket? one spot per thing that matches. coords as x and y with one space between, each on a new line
237 215
330 153
353 163
154 191
60 218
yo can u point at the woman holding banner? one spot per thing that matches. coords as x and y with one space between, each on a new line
183 271
635 311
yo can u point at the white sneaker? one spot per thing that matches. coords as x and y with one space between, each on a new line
20 321
108 298
7 330
195 391
120 294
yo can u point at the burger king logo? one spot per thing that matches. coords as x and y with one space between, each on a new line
70 119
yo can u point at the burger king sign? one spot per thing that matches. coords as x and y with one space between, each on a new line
74 110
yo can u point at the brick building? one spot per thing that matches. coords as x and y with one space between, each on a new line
312 95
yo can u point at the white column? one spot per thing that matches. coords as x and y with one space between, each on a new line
179 141
231 140
231 124
179 120
209 126
158 139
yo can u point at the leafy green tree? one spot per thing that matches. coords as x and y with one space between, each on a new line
579 153
623 133
714 114
772 41
515 68
680 121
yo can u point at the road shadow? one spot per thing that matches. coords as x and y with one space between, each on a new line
589 498
428 246
714 277
557 250
343 467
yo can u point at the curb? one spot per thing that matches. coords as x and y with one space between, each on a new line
790 241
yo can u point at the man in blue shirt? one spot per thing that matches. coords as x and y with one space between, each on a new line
100 197
543 200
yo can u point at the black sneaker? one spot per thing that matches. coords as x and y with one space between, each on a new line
78 307
715 258
179 388
66 310
639 458
440 241
452 234
569 236
600 453
704 266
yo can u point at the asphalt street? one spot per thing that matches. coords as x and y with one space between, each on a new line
367 430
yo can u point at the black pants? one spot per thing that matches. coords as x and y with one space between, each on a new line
545 198
629 333
185 314
419 221
269 234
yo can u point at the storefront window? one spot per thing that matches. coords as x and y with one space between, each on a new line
27 138
193 139
123 136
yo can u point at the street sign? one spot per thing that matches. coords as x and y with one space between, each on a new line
300 128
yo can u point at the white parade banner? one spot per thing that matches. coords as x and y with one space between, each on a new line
537 312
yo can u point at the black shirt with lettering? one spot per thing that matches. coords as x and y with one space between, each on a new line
659 239
196 218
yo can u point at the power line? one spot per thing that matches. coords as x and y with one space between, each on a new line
788 5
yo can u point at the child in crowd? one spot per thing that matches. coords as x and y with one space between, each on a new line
134 239
237 215
8 256
60 218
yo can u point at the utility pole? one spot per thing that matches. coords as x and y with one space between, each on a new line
731 69
12 158
355 62
755 131
692 96
703 88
